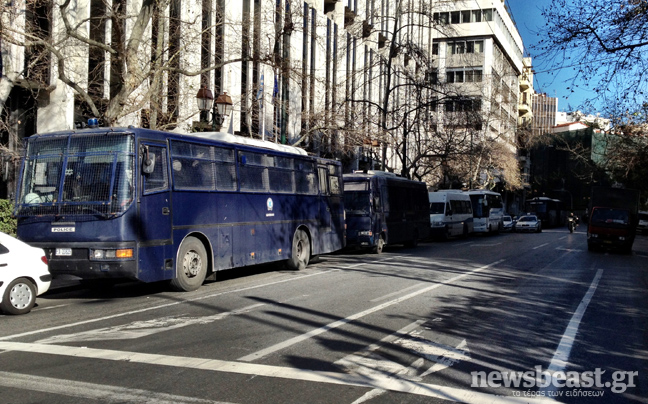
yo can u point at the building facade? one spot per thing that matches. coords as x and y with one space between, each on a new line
343 78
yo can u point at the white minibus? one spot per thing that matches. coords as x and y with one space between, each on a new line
450 214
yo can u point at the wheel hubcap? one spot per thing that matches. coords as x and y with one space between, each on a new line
300 250
192 264
20 296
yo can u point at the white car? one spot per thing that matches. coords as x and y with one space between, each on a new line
24 274
528 223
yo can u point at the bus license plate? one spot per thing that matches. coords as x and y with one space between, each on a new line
63 252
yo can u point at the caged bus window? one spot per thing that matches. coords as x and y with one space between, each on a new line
253 171
203 167
281 177
305 179
158 180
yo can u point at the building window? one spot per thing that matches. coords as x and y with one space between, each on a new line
473 76
463 104
461 47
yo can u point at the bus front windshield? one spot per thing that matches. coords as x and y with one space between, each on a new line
357 202
77 174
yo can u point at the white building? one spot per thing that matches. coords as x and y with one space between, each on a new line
322 73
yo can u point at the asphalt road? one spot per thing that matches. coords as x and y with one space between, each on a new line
513 318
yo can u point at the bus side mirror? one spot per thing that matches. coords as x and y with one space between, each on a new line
148 163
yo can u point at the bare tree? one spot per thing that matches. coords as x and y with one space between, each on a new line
604 43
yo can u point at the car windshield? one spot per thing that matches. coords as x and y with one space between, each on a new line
507 218
527 219
610 216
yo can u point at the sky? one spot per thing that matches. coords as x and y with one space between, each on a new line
528 18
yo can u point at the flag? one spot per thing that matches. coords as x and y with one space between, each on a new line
275 90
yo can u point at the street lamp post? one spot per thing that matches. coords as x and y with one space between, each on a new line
220 109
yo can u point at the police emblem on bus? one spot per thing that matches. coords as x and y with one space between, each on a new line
269 204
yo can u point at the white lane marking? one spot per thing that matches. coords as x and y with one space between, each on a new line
568 249
561 356
163 306
445 356
469 396
139 329
387 296
367 362
101 392
485 245
292 341
540 246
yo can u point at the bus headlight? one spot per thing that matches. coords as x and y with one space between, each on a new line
122 253
365 233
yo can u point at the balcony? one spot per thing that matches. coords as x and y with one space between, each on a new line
525 84
524 109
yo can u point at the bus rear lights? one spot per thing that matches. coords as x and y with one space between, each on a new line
279 251
252 255
123 253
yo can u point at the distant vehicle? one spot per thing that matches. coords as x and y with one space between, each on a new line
383 208
450 214
23 275
147 205
642 226
614 214
528 223
507 223
550 211
487 211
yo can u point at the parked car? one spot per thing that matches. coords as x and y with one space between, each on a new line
507 223
24 275
528 223
642 226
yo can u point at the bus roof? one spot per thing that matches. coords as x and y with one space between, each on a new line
482 191
218 136
229 138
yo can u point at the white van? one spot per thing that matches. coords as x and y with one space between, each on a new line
450 214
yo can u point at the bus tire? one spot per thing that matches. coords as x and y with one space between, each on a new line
380 244
191 266
300 251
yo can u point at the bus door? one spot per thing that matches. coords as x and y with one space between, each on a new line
325 208
380 208
154 211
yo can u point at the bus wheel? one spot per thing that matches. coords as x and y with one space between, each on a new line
378 249
191 267
300 251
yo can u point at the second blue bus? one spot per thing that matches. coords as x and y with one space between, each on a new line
383 208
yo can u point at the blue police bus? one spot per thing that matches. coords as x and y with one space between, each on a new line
147 205
383 208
